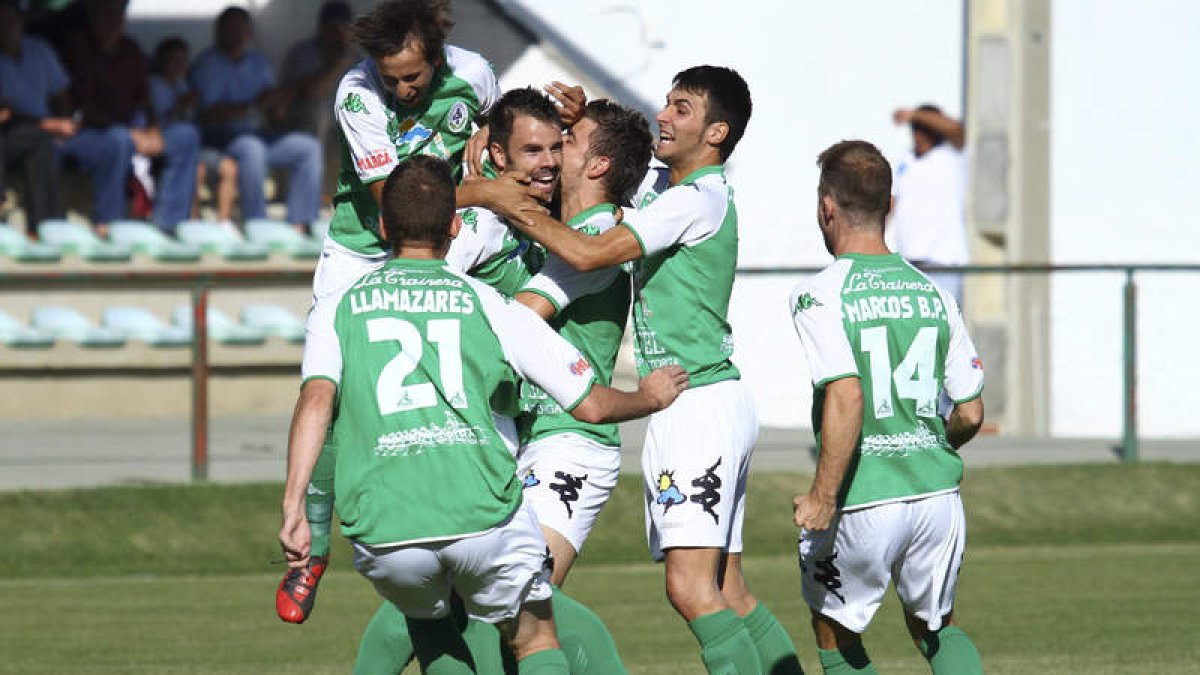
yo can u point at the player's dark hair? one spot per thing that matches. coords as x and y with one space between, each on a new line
418 203
623 136
515 103
394 24
164 49
935 136
858 178
727 96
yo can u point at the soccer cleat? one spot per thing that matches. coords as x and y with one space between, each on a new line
298 591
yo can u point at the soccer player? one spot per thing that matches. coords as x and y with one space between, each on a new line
883 343
413 95
697 454
429 495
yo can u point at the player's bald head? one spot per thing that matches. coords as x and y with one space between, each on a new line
858 178
418 203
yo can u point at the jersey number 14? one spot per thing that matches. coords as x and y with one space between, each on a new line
391 393
914 378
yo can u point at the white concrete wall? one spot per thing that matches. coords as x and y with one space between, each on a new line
1125 171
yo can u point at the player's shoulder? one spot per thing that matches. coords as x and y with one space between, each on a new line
821 289
654 183
482 221
359 79
473 68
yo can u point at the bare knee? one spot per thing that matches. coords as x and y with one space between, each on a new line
691 582
733 586
832 635
531 631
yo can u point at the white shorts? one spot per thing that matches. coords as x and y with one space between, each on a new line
695 461
495 573
568 479
917 544
337 270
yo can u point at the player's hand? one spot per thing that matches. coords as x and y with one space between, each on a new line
902 116
664 385
512 196
571 101
812 512
295 537
59 127
476 147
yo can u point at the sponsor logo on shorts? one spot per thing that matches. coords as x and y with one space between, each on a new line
668 493
567 489
458 117
709 495
580 367
529 480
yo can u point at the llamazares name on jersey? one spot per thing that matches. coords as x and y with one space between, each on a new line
364 298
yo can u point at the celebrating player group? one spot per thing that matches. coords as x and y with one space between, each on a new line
457 408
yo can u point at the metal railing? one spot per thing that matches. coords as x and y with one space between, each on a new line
201 282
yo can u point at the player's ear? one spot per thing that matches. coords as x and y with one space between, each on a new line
496 152
598 166
455 226
716 133
828 209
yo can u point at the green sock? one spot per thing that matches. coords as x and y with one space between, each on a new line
725 644
318 503
586 641
439 647
846 661
776 652
483 640
385 648
950 652
547 662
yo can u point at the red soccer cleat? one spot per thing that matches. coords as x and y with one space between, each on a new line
298 591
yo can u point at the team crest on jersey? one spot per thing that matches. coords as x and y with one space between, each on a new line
409 132
668 492
458 117
353 103
806 301
529 480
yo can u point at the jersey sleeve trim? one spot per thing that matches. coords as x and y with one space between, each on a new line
539 292
641 244
834 378
586 392
972 397
327 378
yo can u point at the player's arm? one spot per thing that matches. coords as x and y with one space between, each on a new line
314 408
582 251
509 195
965 421
655 392
841 424
952 129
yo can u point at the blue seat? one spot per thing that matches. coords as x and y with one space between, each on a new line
319 228
138 323
274 320
14 333
147 239
68 324
279 236
212 237
221 328
77 238
16 246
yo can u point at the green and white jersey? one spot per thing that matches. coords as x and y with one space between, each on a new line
682 283
877 318
378 133
488 249
422 356
594 323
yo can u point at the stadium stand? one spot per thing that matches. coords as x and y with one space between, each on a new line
138 323
212 237
274 320
221 327
15 245
279 236
146 239
17 335
77 238
70 324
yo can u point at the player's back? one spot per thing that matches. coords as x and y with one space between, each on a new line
904 339
419 455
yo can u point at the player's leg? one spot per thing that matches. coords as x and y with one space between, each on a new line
926 579
385 647
839 648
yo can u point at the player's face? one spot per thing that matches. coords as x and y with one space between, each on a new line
407 74
535 148
681 126
576 142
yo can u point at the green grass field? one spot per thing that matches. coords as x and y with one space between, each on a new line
1069 570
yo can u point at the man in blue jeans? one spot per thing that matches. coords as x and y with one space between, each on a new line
238 96
110 87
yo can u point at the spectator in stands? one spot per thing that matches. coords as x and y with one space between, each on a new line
236 89
33 86
172 100
110 87
927 224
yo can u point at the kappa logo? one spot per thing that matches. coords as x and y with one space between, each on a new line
470 218
806 301
580 367
829 576
668 493
709 495
353 103
568 489
458 117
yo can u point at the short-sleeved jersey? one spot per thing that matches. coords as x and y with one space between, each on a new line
218 79
488 249
28 81
682 282
878 318
594 324
378 133
422 357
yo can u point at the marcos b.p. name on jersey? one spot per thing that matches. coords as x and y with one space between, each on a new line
878 318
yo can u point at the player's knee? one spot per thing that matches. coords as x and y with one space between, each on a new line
692 595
